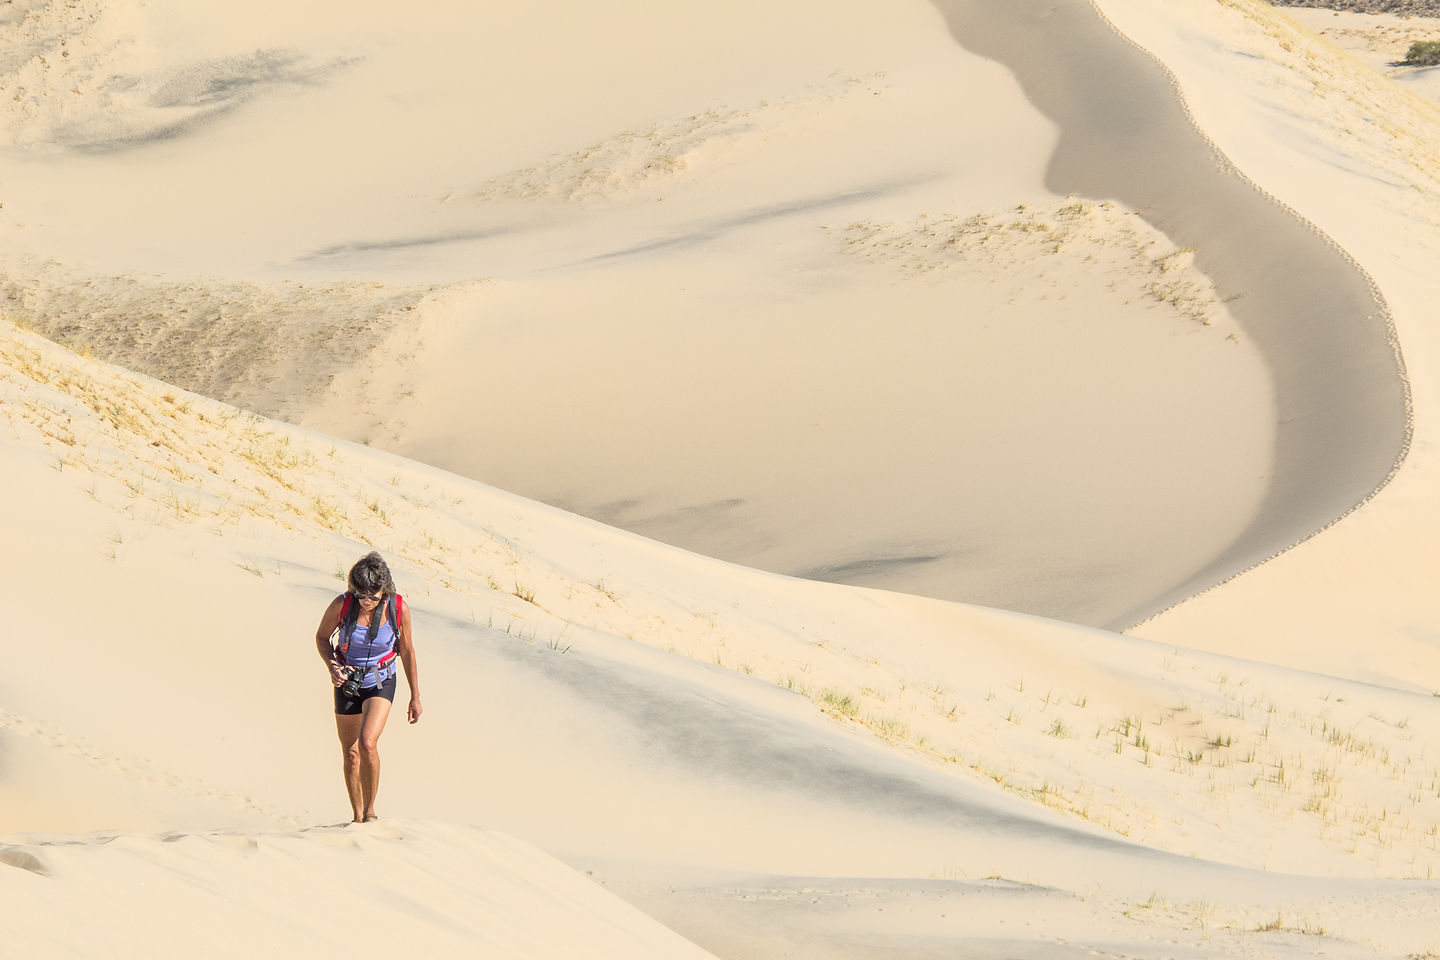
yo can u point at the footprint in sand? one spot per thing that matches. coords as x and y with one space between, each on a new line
234 841
132 768
385 831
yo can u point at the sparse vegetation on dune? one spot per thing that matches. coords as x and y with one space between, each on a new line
1350 102
1224 761
231 341
1423 53
1417 8
1138 261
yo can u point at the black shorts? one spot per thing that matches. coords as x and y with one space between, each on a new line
346 706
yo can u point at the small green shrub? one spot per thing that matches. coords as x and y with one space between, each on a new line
1423 53
842 702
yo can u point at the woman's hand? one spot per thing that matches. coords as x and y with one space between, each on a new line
415 709
337 673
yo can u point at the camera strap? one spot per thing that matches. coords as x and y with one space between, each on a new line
389 612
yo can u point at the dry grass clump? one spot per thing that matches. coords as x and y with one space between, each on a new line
1423 53
231 341
1355 779
192 460
1137 260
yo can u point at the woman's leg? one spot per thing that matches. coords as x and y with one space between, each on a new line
373 714
348 726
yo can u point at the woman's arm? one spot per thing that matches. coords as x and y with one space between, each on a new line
328 623
406 647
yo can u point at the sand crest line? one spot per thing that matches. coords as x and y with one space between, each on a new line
1392 338
1327 445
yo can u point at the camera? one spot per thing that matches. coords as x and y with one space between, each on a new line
350 689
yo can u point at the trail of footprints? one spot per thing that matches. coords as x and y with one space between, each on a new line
132 768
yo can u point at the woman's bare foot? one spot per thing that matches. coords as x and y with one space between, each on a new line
369 817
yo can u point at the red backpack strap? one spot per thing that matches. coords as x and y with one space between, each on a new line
346 600
393 605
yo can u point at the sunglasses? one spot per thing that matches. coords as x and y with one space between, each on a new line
375 599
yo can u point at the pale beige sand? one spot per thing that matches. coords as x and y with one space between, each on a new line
919 417
1342 403
324 891
774 300
642 713
1334 138
766 766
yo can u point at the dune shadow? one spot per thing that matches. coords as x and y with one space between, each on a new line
627 513
23 860
674 723
404 243
198 95
609 513
864 568
1342 399
709 230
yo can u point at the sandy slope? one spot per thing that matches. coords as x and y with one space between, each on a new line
767 766
1342 404
403 885
773 298
1379 40
560 712
1355 151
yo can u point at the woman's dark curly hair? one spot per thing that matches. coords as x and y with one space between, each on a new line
370 576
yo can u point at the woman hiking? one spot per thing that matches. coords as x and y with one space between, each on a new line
362 668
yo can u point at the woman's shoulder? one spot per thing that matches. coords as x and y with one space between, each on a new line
331 617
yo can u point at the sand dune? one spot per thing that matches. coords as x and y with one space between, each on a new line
1332 137
794 409
764 449
402 885
734 287
1038 752
1340 392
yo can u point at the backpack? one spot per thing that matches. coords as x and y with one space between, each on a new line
394 605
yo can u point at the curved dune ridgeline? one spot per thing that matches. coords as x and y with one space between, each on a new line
840 310
1034 332
1343 409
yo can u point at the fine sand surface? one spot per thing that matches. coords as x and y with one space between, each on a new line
1340 397
805 301
321 891
769 767
696 272
1356 151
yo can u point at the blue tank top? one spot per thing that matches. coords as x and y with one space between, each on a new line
366 655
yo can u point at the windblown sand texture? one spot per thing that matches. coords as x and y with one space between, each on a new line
1067 310
688 223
